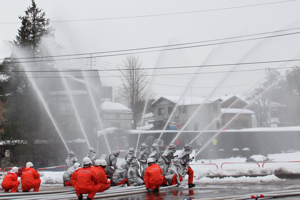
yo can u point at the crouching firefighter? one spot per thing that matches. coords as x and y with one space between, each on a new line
153 176
120 176
30 178
67 174
10 181
86 180
99 168
133 175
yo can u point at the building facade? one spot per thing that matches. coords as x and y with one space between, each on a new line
185 115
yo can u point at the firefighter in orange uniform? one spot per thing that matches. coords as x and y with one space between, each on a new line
10 181
86 180
99 168
153 176
30 178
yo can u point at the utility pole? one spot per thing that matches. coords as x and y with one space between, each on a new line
91 61
268 70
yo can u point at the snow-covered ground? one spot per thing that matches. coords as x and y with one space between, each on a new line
221 167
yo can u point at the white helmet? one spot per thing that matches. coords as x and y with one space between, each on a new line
29 164
86 161
97 162
103 163
76 165
15 169
150 160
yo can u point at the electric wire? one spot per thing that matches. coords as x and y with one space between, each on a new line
163 14
166 74
177 67
158 48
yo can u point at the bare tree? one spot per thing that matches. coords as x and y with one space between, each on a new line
133 92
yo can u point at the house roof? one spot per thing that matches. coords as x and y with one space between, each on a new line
186 100
109 106
228 97
236 111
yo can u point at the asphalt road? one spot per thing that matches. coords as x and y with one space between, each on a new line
217 191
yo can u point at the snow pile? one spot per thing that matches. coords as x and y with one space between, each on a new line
243 179
48 177
258 158
285 163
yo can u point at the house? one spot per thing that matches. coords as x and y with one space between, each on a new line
209 110
234 107
148 120
116 115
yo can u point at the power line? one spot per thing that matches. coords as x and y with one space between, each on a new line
202 87
169 74
158 48
178 67
163 14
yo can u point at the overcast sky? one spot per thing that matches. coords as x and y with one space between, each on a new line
99 26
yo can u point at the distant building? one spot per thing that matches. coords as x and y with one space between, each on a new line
233 107
163 107
116 115
148 122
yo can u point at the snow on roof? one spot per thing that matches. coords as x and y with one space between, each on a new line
109 106
73 92
268 129
12 142
276 105
186 100
148 127
236 111
78 140
227 97
148 115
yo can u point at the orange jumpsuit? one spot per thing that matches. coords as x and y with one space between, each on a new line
73 177
86 182
190 172
104 183
10 181
153 177
30 178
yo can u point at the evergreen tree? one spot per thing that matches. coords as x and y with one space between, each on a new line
23 113
34 27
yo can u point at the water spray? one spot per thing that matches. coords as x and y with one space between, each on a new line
184 92
270 86
75 110
218 117
45 106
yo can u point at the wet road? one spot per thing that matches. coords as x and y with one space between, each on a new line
215 191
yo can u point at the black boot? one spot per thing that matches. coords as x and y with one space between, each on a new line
156 190
80 197
191 185
25 191
88 198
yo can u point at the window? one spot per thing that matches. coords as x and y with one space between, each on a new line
161 111
170 109
184 109
116 125
216 108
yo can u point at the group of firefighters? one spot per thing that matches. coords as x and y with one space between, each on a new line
94 175
150 169
30 179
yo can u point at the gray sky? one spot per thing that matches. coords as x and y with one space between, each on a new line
110 25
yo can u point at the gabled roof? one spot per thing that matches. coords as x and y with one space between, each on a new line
186 100
233 97
109 106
